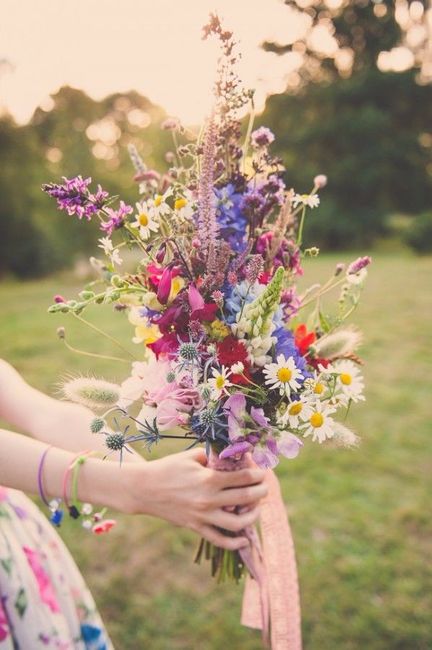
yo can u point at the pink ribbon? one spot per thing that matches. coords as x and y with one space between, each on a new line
274 593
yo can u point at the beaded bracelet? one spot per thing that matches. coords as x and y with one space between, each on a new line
73 468
53 505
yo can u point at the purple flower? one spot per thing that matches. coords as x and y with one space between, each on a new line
236 449
262 137
74 197
116 218
289 445
235 407
265 458
257 414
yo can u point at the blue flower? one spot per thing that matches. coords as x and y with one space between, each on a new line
232 222
286 345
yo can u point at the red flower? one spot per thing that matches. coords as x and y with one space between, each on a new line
231 351
303 340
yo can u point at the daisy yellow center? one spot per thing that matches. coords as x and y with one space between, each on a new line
346 379
319 388
220 382
180 203
284 375
143 219
158 200
317 420
296 408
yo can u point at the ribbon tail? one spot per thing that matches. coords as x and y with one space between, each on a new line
280 585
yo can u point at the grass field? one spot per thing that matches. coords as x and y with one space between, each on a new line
361 519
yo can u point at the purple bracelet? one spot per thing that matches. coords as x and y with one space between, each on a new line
39 477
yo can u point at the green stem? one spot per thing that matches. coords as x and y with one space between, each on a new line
94 354
108 336
300 231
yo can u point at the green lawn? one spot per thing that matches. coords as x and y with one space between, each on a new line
362 519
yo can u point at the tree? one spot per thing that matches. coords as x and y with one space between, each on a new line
364 129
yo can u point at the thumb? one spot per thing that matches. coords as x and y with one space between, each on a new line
199 455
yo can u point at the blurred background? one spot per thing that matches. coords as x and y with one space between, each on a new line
346 86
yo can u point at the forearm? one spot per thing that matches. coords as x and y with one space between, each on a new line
57 423
19 463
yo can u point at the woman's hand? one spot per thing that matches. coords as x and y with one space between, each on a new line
182 490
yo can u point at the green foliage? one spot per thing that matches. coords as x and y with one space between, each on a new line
419 234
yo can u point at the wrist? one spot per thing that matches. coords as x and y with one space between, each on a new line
104 483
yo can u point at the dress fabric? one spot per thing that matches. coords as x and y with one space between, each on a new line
44 602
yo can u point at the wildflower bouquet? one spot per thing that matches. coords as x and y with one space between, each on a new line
233 355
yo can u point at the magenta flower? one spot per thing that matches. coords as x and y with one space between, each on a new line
164 287
116 218
359 264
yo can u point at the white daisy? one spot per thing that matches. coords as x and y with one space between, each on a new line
349 380
297 412
219 382
184 205
320 425
145 220
283 375
158 204
308 200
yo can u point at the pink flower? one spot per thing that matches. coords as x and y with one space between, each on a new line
103 526
46 589
142 382
174 409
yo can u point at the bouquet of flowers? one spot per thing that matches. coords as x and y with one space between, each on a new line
233 355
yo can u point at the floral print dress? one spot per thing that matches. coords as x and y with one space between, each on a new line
44 602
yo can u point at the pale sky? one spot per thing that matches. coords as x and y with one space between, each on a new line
154 47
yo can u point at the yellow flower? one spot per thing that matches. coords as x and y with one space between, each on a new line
177 285
145 332
218 330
